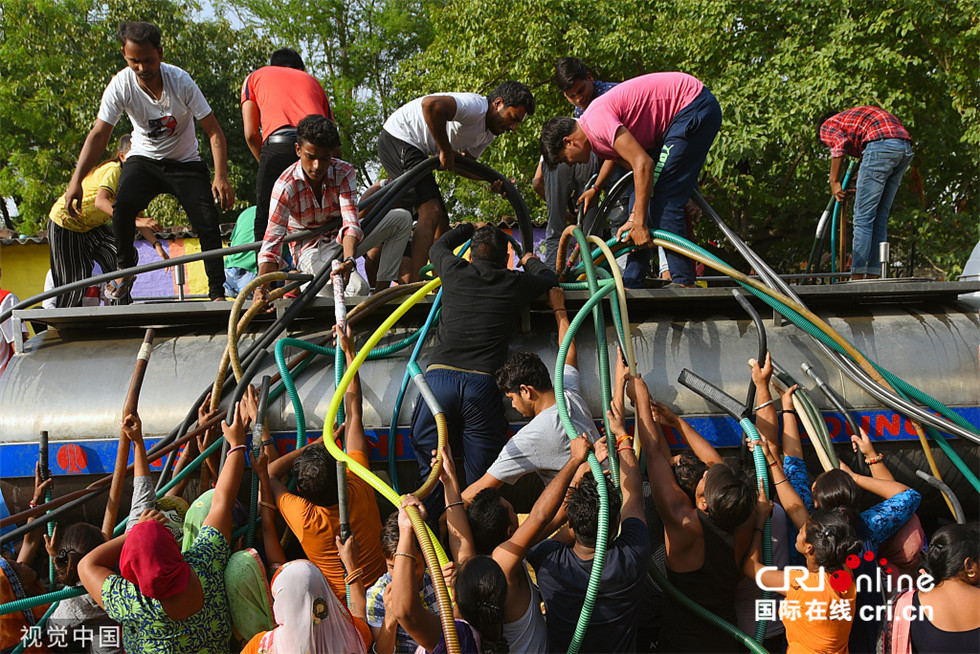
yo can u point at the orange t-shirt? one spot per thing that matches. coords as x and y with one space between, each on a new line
316 527
823 620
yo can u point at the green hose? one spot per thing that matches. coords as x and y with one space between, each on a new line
762 476
38 600
602 347
40 623
602 533
705 614
833 223
778 301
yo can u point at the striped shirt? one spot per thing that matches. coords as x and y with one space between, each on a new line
849 132
294 207
404 644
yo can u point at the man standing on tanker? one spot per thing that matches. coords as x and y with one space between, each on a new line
669 117
448 125
274 99
162 102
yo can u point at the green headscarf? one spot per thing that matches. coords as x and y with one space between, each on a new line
194 520
249 596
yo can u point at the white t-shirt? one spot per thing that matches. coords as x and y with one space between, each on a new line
467 130
164 128
541 445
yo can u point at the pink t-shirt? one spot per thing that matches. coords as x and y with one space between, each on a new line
644 105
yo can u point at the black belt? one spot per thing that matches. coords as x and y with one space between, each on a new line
282 136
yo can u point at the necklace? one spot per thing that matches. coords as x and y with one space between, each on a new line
153 97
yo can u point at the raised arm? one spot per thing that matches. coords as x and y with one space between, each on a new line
765 417
224 194
672 502
438 110
698 444
629 471
792 445
404 602
875 461
533 530
752 563
144 495
274 554
556 300
883 488
353 422
95 144
460 537
350 556
96 566
788 497
230 478
32 539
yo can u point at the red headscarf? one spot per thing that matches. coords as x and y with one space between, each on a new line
151 559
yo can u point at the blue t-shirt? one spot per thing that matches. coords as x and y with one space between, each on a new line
148 628
563 579
600 88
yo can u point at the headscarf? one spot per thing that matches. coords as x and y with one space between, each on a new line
194 519
198 513
310 617
175 508
12 588
151 559
249 598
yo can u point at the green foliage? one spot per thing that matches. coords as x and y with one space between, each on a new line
775 67
56 58
354 47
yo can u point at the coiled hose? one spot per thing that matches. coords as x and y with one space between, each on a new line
431 550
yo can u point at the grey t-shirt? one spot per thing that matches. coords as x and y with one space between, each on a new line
542 446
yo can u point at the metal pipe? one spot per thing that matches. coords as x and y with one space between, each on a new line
947 491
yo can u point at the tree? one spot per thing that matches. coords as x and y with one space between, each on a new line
775 67
56 58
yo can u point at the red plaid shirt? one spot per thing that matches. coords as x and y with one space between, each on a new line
295 207
849 132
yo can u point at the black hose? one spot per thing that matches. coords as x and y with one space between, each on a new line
54 514
760 329
857 374
157 265
943 488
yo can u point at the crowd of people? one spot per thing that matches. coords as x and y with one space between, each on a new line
179 580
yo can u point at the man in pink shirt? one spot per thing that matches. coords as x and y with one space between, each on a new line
661 126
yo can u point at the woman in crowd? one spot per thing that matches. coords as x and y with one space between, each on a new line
166 601
67 547
947 617
309 616
480 591
825 541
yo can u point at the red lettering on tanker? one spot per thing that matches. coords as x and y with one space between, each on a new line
891 426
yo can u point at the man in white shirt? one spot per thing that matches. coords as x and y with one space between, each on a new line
446 124
162 102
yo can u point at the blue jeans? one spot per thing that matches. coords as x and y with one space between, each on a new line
685 147
882 166
474 409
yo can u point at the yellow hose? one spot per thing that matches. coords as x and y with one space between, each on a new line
434 555
235 328
621 292
818 322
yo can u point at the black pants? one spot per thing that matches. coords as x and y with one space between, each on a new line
73 255
273 160
141 180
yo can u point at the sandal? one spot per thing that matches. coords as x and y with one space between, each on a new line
119 290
